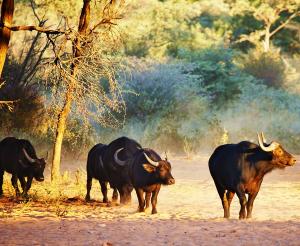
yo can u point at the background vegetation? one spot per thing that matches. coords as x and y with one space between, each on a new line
194 74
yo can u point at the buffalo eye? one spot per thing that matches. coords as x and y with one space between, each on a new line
278 152
162 171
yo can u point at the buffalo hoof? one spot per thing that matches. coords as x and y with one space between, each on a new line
25 195
154 211
141 210
87 198
105 200
242 217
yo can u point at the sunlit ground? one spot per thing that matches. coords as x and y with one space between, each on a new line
189 212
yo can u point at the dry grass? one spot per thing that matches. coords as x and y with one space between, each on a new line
64 198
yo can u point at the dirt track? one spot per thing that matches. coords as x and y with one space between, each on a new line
189 213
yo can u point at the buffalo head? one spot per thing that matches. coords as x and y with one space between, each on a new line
280 157
36 164
161 168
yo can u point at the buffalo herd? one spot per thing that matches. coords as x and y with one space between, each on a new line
125 165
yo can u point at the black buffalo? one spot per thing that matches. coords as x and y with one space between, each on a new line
102 165
18 157
240 168
148 172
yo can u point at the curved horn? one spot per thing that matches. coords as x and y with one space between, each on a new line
154 163
28 157
117 160
269 148
263 137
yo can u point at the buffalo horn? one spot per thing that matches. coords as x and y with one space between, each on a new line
154 163
28 157
263 138
166 156
269 148
117 160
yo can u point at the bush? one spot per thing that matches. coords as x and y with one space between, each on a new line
169 107
274 111
267 67
221 77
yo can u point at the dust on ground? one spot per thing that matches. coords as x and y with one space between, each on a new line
189 213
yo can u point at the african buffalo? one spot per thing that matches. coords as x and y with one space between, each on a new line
148 172
102 166
18 157
240 168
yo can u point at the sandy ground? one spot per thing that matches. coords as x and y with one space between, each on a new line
189 213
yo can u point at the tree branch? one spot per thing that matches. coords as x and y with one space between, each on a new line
32 28
103 22
284 23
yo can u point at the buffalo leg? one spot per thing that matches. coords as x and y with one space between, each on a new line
14 182
1 181
28 185
148 196
154 199
243 201
229 196
23 183
88 188
104 190
223 197
125 196
251 199
140 196
115 195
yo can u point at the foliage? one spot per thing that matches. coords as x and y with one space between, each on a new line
221 77
28 114
268 67
264 19
260 108
164 100
164 28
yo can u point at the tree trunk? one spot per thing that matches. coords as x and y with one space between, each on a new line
266 41
84 21
7 11
61 127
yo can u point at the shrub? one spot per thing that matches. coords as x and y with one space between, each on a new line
274 111
221 77
267 67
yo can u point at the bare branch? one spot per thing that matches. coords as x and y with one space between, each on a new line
285 23
33 28
103 22
8 104
32 3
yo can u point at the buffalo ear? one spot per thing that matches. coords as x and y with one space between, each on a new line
149 168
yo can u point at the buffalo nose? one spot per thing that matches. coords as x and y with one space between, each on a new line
171 181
